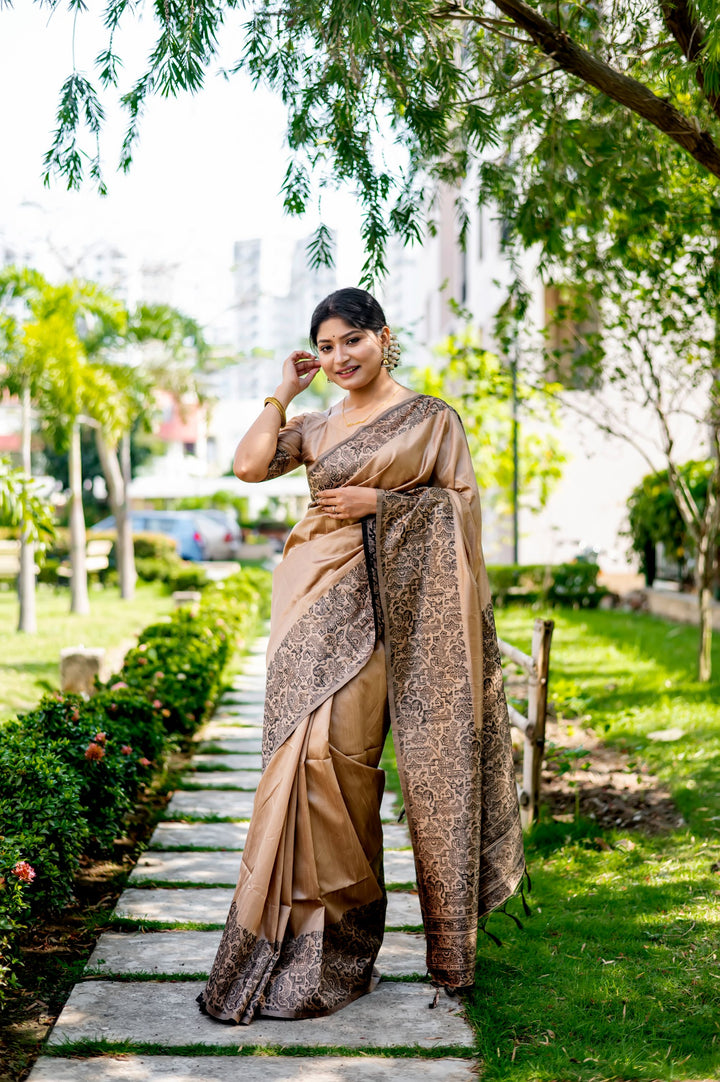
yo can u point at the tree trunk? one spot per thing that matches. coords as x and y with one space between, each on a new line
129 575
113 471
27 620
703 580
79 600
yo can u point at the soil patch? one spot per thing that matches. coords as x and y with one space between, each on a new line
583 776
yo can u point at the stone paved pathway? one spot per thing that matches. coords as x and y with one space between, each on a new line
140 985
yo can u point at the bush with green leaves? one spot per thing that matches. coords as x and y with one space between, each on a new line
41 813
95 745
654 517
16 879
572 584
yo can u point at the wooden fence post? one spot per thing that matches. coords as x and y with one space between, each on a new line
537 715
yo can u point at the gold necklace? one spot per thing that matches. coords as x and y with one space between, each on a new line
354 424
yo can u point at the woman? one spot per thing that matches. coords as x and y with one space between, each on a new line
380 612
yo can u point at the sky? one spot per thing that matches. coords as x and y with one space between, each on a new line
207 170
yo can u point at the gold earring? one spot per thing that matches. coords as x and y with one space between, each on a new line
391 353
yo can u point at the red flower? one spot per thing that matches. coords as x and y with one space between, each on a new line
24 871
157 704
120 684
126 749
94 752
75 716
100 738
142 661
144 761
159 675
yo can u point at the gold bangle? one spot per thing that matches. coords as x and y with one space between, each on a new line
278 406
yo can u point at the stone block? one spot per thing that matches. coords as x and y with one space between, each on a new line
240 761
253 1069
203 835
227 746
228 739
222 779
187 599
396 836
227 730
399 866
230 805
210 905
79 665
198 867
213 867
167 1014
169 953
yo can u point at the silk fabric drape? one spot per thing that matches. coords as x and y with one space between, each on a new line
391 615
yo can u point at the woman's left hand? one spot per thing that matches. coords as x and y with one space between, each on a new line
353 502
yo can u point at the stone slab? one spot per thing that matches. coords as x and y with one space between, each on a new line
225 730
254 677
232 744
395 836
203 835
399 866
252 719
199 867
167 1014
238 805
213 867
245 698
403 909
389 808
210 905
246 761
223 779
252 1069
168 953
231 805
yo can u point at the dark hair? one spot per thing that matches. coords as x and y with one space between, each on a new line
355 306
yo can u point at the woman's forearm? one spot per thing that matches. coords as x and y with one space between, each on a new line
256 449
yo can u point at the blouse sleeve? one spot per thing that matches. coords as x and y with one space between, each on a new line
289 453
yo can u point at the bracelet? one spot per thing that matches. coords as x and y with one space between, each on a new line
271 399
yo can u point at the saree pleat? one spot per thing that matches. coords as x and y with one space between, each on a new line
388 621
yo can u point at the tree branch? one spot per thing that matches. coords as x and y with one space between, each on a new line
690 35
623 89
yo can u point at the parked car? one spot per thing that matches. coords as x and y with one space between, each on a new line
194 534
228 548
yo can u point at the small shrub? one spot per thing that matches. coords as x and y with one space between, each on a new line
41 813
554 584
16 879
108 775
187 577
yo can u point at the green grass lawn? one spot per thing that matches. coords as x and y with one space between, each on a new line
30 664
617 973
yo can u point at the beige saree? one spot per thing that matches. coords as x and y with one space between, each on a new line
388 620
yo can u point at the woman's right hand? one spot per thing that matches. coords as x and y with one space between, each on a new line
298 372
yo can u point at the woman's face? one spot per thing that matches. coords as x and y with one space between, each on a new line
349 356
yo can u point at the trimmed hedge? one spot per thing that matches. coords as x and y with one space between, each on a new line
572 584
70 769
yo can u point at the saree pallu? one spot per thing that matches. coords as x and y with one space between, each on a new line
387 620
